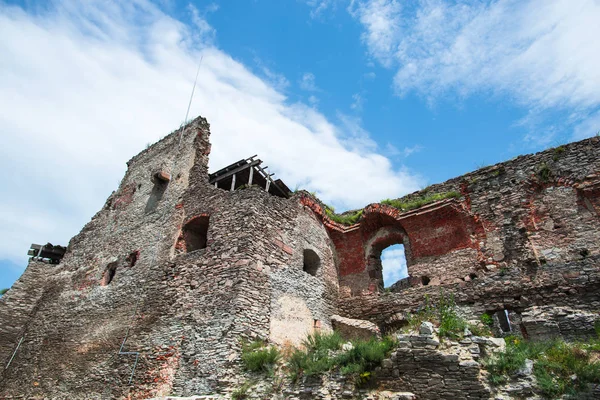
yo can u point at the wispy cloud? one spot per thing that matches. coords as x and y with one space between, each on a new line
307 82
392 150
319 7
381 19
539 54
85 85
357 102
278 81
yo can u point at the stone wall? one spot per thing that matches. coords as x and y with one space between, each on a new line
175 274
522 233
136 281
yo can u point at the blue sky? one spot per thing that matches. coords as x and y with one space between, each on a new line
357 100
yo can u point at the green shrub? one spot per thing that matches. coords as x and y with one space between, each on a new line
557 152
565 369
364 355
560 368
419 202
443 314
3 291
503 365
451 324
544 173
487 320
256 357
322 353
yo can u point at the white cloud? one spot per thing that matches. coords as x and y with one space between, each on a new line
85 86
541 54
357 102
392 150
381 19
393 263
410 150
308 82
320 6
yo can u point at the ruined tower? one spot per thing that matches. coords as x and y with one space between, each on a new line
154 294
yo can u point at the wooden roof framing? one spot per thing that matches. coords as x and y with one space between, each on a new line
248 172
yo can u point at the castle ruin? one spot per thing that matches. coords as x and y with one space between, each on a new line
152 297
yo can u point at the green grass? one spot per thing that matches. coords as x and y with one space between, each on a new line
558 152
3 291
344 219
419 202
544 173
560 368
322 353
241 392
443 314
487 320
257 357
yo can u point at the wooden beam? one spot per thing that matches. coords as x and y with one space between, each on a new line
233 183
236 170
251 176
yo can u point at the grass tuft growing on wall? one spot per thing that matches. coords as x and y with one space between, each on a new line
323 353
344 219
257 357
560 368
443 314
421 201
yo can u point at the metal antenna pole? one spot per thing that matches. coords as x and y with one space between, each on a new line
187 113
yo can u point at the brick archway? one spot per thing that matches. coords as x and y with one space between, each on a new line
379 241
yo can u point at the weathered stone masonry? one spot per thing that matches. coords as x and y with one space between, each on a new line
182 270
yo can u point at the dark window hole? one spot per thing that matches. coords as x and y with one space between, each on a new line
133 258
425 280
195 233
502 316
109 274
312 262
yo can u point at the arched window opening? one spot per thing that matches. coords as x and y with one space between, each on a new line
312 262
109 274
393 263
195 233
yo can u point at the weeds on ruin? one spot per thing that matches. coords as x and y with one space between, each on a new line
560 368
487 320
257 357
345 219
3 291
544 173
241 392
480 330
419 202
324 352
558 151
442 313
483 327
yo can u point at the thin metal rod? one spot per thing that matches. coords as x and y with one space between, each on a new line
187 113
137 356
15 352
158 236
